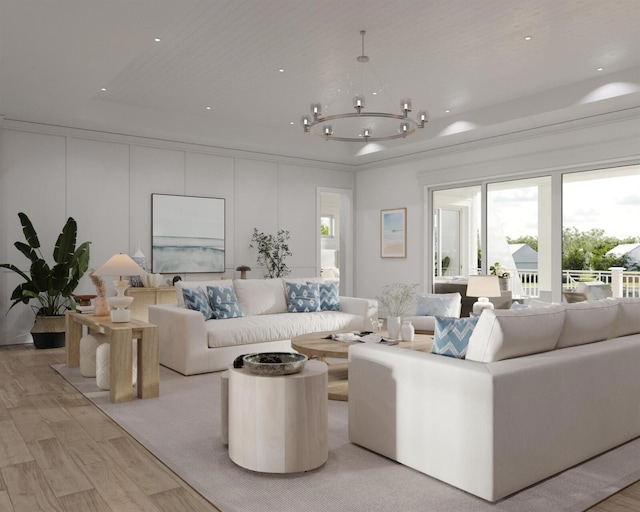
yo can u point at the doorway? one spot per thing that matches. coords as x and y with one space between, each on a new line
335 237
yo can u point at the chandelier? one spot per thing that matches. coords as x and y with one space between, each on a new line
360 124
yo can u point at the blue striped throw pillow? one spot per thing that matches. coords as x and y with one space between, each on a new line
196 299
452 336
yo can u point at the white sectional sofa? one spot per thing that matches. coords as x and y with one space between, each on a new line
191 345
542 389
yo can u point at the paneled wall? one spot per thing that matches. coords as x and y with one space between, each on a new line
105 182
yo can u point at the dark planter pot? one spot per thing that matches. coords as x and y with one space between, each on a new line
48 339
49 332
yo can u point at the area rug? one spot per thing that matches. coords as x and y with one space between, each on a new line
182 429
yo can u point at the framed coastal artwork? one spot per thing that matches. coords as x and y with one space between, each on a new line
187 234
393 233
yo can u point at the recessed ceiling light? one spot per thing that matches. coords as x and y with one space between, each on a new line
528 38
374 93
208 108
157 39
447 111
291 122
281 70
600 69
103 89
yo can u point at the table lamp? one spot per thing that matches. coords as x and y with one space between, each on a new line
483 287
120 265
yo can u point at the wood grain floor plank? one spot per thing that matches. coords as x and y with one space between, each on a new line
30 424
117 489
152 478
95 422
5 502
13 449
85 501
28 489
181 499
58 467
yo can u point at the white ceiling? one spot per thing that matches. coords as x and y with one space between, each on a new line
466 56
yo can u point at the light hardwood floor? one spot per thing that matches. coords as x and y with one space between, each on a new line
60 453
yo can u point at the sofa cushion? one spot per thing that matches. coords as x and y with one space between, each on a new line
198 284
260 328
329 297
303 298
587 322
452 336
628 319
196 299
260 296
438 304
507 333
224 302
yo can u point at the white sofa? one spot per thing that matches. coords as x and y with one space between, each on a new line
549 388
191 345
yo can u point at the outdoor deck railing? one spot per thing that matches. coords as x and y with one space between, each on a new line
571 279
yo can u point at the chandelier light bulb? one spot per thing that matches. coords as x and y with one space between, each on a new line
423 117
404 128
358 102
305 121
328 130
316 109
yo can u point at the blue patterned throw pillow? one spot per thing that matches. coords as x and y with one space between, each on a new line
303 298
196 299
224 302
452 336
329 296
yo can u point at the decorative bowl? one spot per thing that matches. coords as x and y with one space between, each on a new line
275 363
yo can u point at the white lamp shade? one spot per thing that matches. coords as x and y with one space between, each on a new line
483 286
120 265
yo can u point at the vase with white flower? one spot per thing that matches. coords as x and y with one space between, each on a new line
503 275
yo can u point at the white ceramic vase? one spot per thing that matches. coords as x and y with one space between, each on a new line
393 326
407 331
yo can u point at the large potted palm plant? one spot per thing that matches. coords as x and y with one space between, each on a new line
51 286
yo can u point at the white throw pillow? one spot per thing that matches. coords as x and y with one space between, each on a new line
628 319
198 284
439 304
587 322
507 333
261 296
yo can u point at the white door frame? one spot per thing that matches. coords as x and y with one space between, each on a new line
346 236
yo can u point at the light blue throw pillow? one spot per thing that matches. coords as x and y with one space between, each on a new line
224 302
517 305
329 296
303 298
196 299
452 336
438 305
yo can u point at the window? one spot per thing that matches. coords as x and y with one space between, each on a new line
327 226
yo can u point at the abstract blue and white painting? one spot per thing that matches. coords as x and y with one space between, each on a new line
188 234
393 233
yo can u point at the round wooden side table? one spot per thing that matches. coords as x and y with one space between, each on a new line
279 424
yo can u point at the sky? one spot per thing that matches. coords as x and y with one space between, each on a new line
611 204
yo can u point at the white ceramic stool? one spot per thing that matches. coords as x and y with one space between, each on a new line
103 365
88 347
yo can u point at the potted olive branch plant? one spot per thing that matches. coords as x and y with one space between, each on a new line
397 299
51 287
272 251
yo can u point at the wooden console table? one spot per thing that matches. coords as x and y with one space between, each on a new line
143 297
120 336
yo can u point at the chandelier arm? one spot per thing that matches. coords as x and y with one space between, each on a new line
387 115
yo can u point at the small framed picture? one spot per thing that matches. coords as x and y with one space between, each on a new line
393 233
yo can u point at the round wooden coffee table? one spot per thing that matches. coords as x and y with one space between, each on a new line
319 345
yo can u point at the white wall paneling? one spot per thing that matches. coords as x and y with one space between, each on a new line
105 181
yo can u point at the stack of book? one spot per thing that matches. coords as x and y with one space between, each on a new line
85 309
